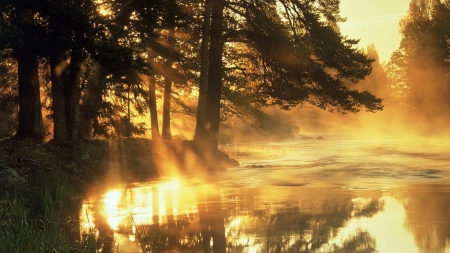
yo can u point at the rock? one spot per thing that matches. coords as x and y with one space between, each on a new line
255 166
10 176
9 179
85 156
320 138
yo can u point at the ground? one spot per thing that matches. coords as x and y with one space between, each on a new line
92 162
82 163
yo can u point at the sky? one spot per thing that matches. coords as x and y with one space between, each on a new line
374 22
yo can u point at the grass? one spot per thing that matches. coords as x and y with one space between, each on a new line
23 231
43 218
89 241
35 219
44 215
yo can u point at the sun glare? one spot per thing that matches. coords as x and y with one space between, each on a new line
111 200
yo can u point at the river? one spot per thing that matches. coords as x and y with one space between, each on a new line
303 195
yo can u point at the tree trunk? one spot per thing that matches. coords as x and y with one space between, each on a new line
153 109
73 95
30 113
166 133
214 90
92 100
201 106
30 122
58 65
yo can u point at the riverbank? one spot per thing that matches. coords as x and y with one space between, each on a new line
38 177
92 162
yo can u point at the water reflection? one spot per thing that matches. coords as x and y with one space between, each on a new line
180 216
428 213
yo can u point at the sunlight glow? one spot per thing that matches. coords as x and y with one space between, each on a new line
162 207
111 200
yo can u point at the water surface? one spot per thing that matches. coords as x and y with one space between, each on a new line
332 195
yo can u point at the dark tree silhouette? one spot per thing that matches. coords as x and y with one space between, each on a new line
297 55
20 32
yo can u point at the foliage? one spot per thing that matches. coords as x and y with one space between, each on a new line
35 223
303 59
396 71
8 96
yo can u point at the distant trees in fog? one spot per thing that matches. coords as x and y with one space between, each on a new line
419 70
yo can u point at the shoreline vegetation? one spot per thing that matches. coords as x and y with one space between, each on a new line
42 194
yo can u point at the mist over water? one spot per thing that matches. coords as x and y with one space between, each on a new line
299 195
336 160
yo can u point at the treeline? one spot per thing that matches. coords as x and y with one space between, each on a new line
419 71
95 66
415 82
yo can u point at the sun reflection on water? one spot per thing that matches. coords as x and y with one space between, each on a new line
112 199
290 219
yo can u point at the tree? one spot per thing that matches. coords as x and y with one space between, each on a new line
203 82
93 86
214 90
153 109
57 32
421 64
21 29
81 10
58 54
30 114
300 57
376 82
396 74
170 25
67 26
152 28
117 57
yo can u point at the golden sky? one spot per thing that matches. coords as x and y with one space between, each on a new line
374 22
